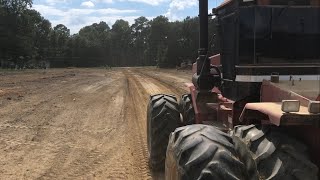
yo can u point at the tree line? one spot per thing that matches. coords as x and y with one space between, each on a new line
28 40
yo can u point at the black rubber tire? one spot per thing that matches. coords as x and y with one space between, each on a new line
202 152
162 119
269 153
186 109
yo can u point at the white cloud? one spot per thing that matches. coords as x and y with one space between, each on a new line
48 10
182 4
179 5
88 4
75 19
76 23
53 2
52 11
103 1
150 2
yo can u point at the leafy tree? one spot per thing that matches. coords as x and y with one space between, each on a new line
158 40
14 6
120 40
139 33
26 36
96 39
11 14
34 31
58 39
26 31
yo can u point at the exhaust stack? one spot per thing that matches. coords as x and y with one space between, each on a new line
201 79
203 33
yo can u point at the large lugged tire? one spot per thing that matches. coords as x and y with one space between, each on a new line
162 119
202 152
269 153
187 110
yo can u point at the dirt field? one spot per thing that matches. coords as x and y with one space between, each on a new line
79 123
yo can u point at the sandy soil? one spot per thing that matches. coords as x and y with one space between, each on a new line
79 123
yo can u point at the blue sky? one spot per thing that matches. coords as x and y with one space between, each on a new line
76 14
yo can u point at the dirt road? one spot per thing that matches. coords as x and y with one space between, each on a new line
79 123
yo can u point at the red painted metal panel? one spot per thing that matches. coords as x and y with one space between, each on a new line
194 68
272 93
272 110
224 3
198 117
202 111
215 60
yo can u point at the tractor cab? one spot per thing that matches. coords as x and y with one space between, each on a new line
260 38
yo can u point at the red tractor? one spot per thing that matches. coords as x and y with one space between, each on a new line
253 111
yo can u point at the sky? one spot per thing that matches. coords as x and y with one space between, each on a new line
76 14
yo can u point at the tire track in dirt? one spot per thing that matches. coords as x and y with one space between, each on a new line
100 150
141 86
134 118
176 85
36 103
44 112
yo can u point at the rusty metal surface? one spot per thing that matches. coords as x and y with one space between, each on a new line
225 2
315 2
276 92
224 114
205 110
277 117
215 60
307 88
194 68
272 110
199 103
267 2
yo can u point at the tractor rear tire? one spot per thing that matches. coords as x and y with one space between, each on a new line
162 119
202 152
187 110
269 153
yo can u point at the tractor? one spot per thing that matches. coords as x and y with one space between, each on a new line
253 111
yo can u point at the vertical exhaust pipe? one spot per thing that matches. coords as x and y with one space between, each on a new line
202 65
203 33
201 78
